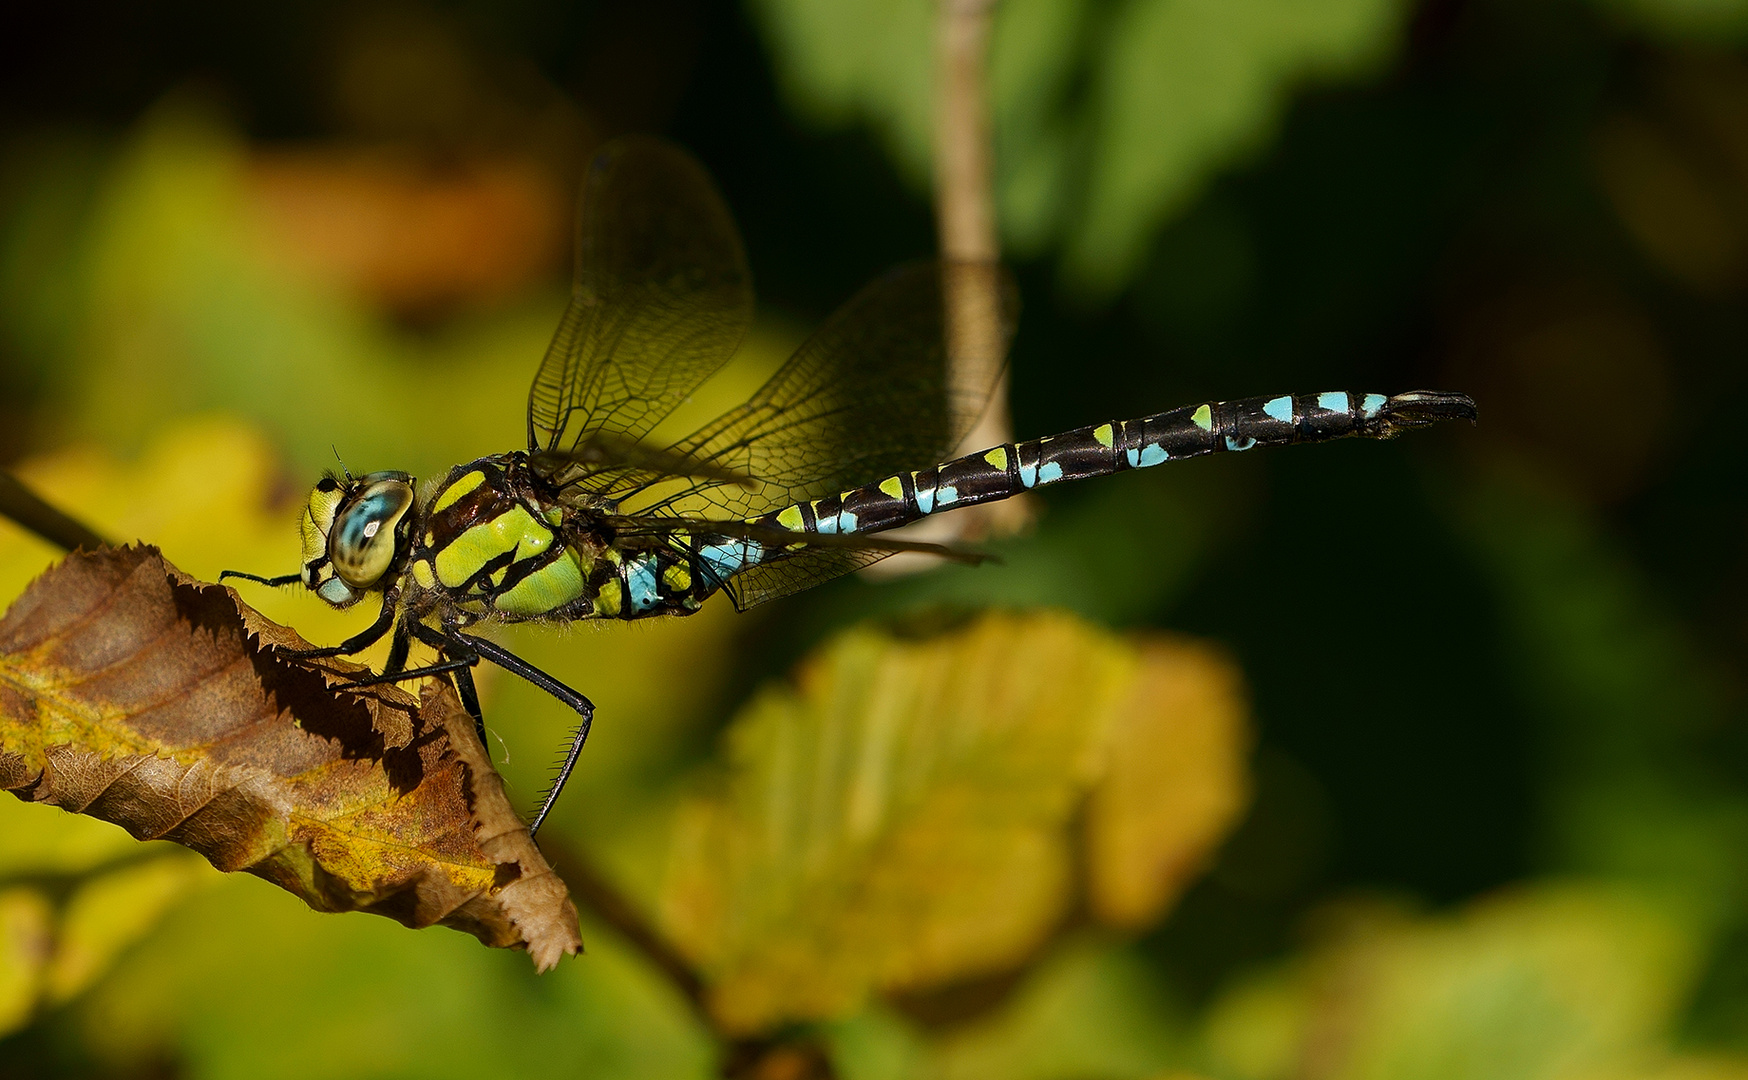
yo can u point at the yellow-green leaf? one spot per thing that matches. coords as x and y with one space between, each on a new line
110 911
1108 119
25 919
1544 983
1175 784
1188 86
903 816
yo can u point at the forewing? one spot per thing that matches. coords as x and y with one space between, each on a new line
795 573
662 298
870 394
807 559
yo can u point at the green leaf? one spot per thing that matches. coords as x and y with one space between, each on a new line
244 983
1175 780
111 911
1629 700
1724 21
1543 983
903 817
868 61
1185 87
1090 1009
25 945
64 917
1105 126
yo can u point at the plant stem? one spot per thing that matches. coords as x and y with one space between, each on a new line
590 886
28 509
969 242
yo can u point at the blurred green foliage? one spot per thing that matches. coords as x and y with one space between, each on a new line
1704 20
1500 786
1109 118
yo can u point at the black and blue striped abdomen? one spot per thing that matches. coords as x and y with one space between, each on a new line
1097 450
677 578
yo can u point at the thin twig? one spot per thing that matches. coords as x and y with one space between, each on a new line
965 209
27 508
971 253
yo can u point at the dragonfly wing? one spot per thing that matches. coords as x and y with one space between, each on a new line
819 560
870 394
795 573
808 559
662 299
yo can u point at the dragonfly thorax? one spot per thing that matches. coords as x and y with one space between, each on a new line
354 532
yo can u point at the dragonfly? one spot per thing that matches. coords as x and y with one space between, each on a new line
800 484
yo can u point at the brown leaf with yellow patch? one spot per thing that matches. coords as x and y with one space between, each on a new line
137 695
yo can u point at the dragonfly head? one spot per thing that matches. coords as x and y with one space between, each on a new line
354 531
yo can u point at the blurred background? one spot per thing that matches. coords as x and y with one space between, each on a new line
1472 761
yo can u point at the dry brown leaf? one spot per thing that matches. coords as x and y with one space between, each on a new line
904 817
135 694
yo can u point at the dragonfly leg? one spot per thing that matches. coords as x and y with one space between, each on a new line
360 641
398 648
276 582
454 655
464 687
470 701
583 707
459 661
443 667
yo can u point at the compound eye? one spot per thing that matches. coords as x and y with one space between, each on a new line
362 542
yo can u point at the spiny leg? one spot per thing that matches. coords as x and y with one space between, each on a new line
459 665
459 656
360 641
399 647
464 651
463 676
583 707
470 701
276 582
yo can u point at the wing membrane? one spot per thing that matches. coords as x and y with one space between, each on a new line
815 559
870 394
661 300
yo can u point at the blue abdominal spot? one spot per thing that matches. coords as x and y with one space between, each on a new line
640 583
727 559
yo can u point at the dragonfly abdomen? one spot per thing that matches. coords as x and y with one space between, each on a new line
1097 450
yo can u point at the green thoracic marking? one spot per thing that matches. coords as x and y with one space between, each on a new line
547 589
997 458
455 491
1104 435
513 530
607 600
1203 418
893 486
422 574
